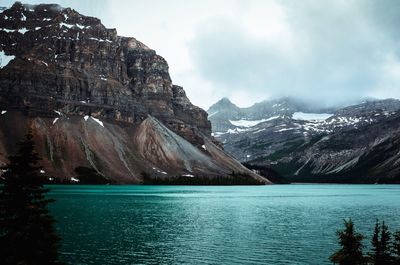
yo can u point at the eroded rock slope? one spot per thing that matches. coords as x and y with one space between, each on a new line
99 100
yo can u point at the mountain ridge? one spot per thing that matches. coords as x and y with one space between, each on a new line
88 93
331 145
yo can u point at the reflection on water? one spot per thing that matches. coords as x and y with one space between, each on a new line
279 224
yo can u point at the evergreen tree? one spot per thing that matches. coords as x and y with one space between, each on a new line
350 241
375 255
381 245
396 246
385 243
27 236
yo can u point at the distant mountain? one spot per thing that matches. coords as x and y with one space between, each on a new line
100 101
357 143
225 115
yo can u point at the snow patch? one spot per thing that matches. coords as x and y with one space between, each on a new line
42 171
216 134
204 147
55 120
236 130
74 179
86 117
212 114
98 121
8 30
5 59
66 25
81 26
311 116
159 171
72 25
259 130
23 30
59 113
285 129
3 112
188 175
100 40
250 123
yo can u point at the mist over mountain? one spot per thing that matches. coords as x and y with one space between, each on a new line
331 52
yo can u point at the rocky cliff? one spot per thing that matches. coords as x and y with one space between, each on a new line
99 100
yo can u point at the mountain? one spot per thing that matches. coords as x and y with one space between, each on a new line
225 115
100 101
356 143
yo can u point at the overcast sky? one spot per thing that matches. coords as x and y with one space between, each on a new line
329 52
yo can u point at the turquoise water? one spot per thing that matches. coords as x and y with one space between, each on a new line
278 224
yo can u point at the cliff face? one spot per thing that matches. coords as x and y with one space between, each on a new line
58 66
72 63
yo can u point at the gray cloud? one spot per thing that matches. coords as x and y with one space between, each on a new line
339 52
325 51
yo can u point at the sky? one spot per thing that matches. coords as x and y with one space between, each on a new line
330 52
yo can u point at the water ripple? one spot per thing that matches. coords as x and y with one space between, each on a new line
287 224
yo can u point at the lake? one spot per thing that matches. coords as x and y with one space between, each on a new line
277 224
